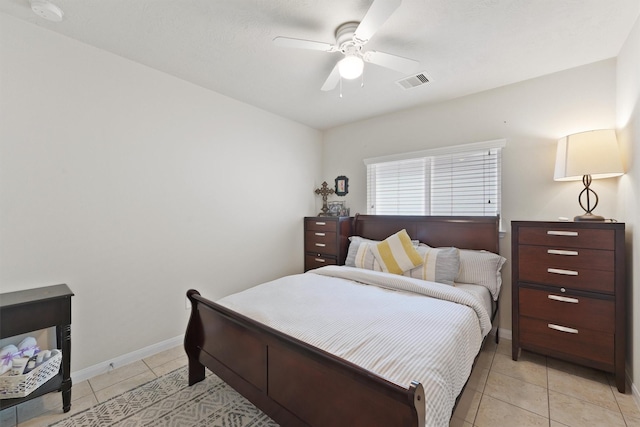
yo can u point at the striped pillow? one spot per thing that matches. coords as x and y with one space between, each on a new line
481 268
363 258
439 265
355 244
396 253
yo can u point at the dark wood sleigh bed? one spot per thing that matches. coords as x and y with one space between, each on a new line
297 384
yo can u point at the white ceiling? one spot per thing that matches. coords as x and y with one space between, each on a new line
464 46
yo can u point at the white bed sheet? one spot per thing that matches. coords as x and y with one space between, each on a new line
479 292
382 322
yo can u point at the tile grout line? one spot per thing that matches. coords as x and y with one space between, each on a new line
546 371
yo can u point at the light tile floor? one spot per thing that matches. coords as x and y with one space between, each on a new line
535 391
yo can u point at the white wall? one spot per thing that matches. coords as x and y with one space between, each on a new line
132 186
531 115
628 116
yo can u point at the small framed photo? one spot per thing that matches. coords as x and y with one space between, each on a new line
335 208
342 185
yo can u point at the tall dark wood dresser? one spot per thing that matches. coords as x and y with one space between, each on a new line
569 292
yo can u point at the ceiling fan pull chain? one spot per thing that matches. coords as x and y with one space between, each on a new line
362 79
340 87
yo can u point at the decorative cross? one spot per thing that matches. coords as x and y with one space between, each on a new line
324 191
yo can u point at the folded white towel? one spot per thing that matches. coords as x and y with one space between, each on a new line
28 347
6 357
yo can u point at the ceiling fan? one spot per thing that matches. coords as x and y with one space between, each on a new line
350 40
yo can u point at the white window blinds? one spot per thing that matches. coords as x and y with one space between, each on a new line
460 180
398 188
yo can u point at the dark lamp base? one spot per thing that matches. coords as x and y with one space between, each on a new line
589 217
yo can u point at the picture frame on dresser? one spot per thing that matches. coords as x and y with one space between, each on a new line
569 293
335 208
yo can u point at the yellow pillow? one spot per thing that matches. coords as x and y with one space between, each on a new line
396 253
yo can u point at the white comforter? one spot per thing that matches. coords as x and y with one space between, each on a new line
402 329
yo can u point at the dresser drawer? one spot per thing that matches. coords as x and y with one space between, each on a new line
582 343
567 237
321 242
321 225
311 261
537 271
578 312
569 258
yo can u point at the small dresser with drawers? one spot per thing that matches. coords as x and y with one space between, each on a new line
568 290
326 240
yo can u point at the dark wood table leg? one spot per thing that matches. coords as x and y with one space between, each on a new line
63 335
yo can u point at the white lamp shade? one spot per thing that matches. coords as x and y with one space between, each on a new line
351 67
592 153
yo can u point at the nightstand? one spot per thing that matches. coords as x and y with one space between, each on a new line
326 240
35 309
568 290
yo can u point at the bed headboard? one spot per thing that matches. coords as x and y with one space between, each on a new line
465 232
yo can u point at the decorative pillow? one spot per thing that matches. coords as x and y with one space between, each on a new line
354 246
396 253
356 241
364 257
481 268
438 265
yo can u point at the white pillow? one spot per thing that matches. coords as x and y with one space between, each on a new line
481 268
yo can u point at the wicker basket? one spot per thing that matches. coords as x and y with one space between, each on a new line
13 386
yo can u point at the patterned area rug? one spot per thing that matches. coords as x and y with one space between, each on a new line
169 401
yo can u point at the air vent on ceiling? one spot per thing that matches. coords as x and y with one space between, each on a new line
413 81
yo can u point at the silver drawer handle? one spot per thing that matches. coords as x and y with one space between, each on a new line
563 299
320 260
562 233
560 271
561 252
562 328
322 245
320 234
321 223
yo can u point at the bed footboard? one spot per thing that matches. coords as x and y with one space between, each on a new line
292 382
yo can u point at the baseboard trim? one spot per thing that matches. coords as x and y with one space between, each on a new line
635 393
502 333
125 359
505 333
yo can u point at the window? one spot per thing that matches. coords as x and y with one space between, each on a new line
461 180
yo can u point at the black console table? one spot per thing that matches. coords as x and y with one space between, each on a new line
31 310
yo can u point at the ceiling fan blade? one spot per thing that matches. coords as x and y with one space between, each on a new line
332 80
394 62
303 44
377 15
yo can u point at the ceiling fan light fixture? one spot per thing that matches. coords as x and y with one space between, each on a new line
351 67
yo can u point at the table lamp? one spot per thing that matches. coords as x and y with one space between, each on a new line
588 155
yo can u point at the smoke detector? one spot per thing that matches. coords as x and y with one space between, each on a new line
46 10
